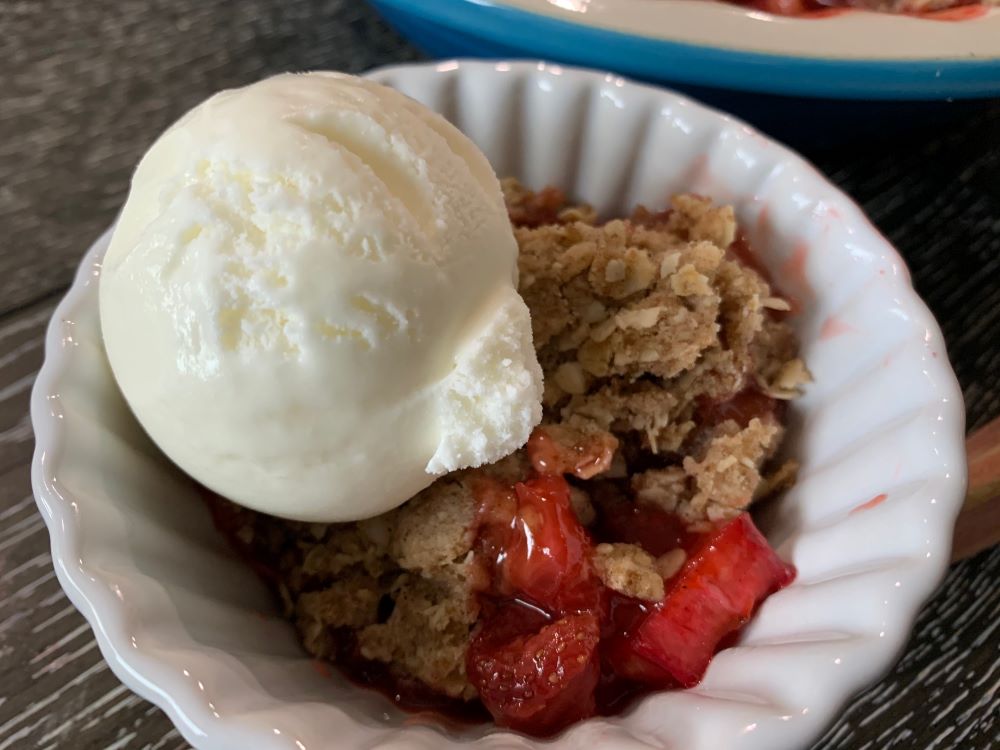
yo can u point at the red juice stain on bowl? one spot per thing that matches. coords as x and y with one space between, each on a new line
833 327
869 504
794 269
764 230
698 174
321 668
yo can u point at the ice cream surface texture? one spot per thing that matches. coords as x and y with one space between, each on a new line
309 299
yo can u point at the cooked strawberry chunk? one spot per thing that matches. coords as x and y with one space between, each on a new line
730 572
536 680
547 555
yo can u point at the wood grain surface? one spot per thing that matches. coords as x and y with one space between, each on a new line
85 85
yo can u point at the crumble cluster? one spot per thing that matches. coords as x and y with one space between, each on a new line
643 327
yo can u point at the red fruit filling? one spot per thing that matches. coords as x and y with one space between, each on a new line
536 548
536 677
652 529
554 646
730 572
534 658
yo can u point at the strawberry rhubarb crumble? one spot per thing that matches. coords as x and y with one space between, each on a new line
614 553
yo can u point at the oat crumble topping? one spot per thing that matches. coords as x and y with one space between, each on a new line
630 570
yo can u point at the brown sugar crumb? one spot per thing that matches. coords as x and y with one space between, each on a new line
427 634
788 380
634 322
644 408
648 330
434 529
778 371
668 488
351 601
697 218
629 570
727 475
340 580
778 479
670 563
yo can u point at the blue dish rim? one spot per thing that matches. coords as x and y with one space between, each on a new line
523 33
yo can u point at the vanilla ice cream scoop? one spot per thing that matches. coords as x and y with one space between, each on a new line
309 300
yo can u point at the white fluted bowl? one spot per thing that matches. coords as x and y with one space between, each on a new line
880 437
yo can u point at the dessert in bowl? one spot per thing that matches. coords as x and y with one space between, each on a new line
206 646
612 553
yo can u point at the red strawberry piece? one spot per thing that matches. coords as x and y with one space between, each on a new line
715 593
546 558
536 679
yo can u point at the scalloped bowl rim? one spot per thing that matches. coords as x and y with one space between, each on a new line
151 674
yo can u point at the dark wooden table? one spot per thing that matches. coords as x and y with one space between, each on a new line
85 85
